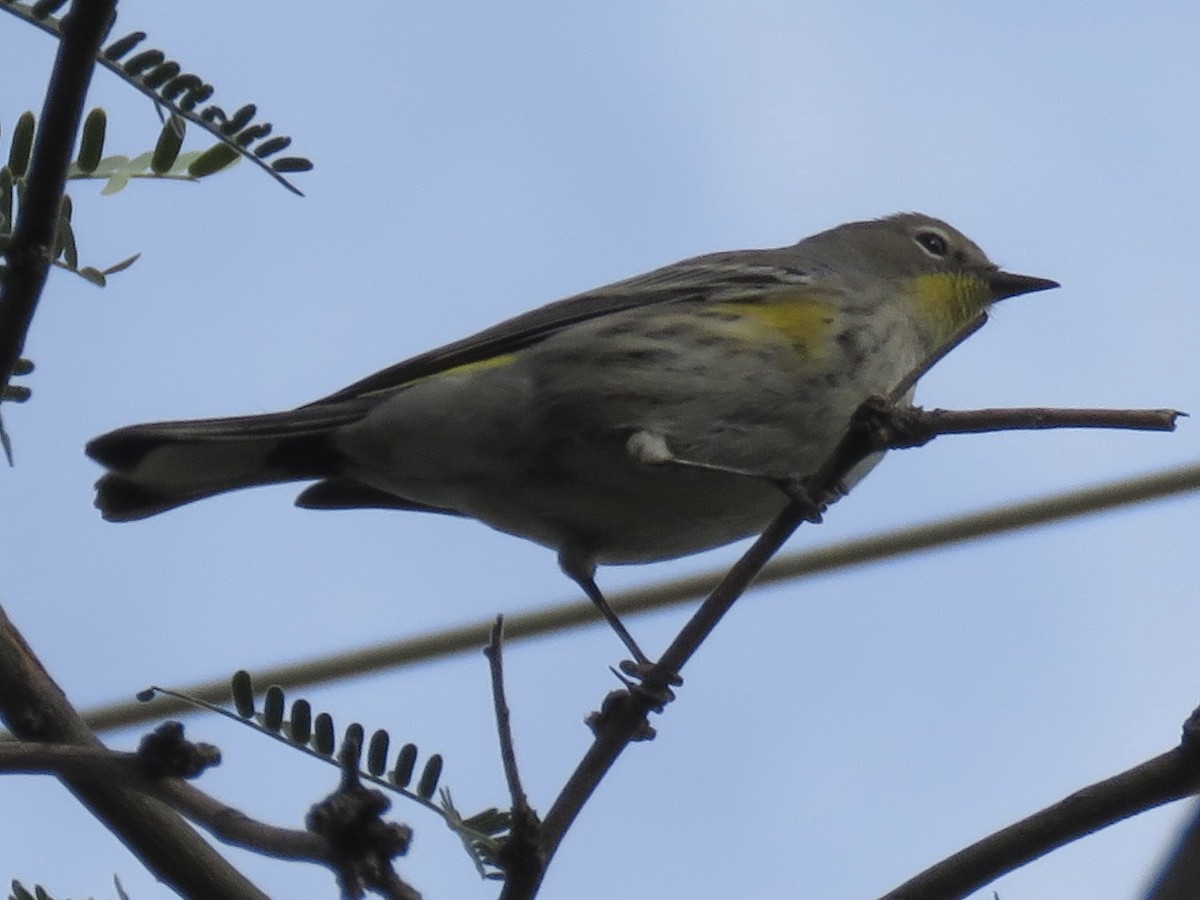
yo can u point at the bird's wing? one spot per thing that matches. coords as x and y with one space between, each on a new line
747 274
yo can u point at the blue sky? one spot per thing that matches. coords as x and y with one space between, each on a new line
474 160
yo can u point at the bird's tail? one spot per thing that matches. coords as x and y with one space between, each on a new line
161 465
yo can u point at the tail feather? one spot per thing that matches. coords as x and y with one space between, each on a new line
161 465
122 499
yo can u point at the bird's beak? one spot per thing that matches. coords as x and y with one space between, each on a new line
1009 284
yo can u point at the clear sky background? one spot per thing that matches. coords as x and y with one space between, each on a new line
475 160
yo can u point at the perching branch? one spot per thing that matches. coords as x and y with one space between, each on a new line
922 425
877 425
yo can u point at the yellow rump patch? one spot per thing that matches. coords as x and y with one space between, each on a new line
491 362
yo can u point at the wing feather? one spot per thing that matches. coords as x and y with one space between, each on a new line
749 274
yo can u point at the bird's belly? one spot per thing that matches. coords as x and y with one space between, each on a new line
543 451
626 514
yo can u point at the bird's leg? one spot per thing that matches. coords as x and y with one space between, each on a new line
796 490
580 569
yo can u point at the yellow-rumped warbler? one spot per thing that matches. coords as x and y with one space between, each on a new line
648 419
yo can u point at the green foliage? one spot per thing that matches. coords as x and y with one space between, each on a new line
483 835
165 161
180 95
14 393
316 736
19 892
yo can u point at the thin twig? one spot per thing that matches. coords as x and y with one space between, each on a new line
623 718
494 653
978 421
520 858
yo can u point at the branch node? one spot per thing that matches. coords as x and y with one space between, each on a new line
363 844
164 753
622 712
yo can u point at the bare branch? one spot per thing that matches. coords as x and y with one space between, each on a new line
521 857
494 653
1171 776
927 424
101 765
136 772
35 708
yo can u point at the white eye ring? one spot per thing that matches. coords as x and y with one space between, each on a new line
933 242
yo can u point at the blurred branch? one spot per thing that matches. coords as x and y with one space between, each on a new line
521 844
136 772
1171 776
35 708
1180 872
873 548
364 845
83 30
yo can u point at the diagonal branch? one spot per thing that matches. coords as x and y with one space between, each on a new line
1171 776
83 30
879 424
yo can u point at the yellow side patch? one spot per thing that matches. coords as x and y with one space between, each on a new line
804 321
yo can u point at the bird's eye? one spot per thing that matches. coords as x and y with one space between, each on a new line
933 243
